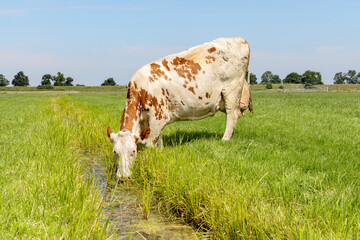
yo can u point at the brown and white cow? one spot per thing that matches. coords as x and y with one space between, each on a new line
190 85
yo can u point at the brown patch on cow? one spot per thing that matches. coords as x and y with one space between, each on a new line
131 109
155 140
151 79
196 85
146 99
109 131
167 98
191 89
203 72
245 57
167 92
207 95
156 72
145 133
135 85
182 103
200 97
211 50
209 59
196 54
166 77
206 103
163 91
128 90
186 68
137 100
184 85
165 64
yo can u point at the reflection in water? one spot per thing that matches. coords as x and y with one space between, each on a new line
122 206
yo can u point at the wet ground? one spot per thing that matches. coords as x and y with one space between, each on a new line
123 207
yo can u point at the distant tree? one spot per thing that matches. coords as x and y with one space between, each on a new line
351 77
3 81
46 79
275 79
293 78
109 82
59 80
253 79
266 77
311 77
339 78
20 79
69 81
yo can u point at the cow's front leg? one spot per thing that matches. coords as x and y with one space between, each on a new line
160 141
155 138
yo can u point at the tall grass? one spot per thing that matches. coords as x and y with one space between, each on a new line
290 171
45 193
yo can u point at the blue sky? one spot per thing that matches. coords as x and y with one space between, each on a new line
93 40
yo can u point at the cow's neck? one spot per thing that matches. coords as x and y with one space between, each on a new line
131 115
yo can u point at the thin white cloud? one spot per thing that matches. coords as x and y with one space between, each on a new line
92 69
12 12
328 49
25 11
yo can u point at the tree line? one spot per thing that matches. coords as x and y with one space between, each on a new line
308 77
20 79
347 78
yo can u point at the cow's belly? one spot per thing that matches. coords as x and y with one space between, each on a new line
190 111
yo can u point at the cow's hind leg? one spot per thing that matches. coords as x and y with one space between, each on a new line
233 112
232 117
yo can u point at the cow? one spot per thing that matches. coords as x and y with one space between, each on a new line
189 85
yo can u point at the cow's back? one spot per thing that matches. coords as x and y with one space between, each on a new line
190 83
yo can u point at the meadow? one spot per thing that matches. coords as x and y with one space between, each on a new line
291 170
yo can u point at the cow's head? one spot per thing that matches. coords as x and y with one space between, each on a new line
125 148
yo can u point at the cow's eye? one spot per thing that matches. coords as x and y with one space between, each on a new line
114 152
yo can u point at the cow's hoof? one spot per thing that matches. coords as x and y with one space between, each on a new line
123 179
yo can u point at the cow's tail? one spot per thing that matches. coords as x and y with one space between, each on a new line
248 81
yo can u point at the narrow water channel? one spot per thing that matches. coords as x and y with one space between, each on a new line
122 206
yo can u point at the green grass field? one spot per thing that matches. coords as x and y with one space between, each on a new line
291 170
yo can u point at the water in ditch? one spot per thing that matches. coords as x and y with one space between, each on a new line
123 208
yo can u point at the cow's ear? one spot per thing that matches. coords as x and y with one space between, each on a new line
110 134
145 132
109 131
